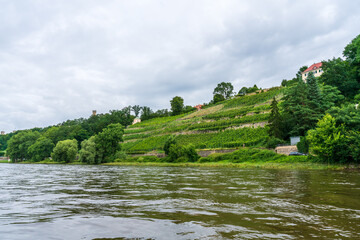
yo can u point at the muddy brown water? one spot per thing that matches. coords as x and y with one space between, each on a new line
116 202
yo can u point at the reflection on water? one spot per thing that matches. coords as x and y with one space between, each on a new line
111 202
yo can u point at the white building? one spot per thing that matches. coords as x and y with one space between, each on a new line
316 69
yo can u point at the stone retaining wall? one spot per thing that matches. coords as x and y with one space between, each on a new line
286 149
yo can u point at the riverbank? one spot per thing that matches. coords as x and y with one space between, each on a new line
242 158
225 164
262 165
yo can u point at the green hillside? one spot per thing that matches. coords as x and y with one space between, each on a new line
232 123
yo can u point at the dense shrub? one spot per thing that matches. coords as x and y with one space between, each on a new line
65 151
303 145
179 153
273 142
88 151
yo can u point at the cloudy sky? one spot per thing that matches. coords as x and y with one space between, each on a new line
61 59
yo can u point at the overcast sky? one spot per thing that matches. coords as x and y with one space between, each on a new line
61 59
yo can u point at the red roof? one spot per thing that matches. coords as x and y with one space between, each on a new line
313 67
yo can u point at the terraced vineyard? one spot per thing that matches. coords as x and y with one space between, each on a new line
232 123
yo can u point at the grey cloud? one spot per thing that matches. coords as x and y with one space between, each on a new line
59 60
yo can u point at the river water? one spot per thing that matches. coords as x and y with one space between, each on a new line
116 202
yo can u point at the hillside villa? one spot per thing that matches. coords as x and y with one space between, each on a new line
316 69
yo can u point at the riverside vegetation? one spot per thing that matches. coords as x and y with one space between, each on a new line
323 111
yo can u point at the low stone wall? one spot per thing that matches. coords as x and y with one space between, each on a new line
159 155
205 153
202 153
286 149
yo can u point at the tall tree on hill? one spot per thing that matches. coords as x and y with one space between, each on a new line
136 109
146 113
225 88
352 55
313 92
275 120
340 74
107 142
298 115
177 105
300 71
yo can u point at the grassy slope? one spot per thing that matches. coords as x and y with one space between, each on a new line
228 124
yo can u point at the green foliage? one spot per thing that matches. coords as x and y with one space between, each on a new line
251 100
177 105
347 115
18 145
225 139
218 98
331 96
225 89
145 145
299 113
65 151
313 92
251 155
136 109
170 141
226 123
88 151
41 149
340 74
252 89
273 142
179 153
275 121
352 54
237 112
328 141
107 142
303 145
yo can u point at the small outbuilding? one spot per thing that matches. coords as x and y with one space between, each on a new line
199 107
136 120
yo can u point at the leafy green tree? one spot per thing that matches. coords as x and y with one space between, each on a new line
169 141
225 89
340 74
41 149
329 141
218 98
352 55
314 95
179 153
146 113
300 71
298 115
136 109
65 151
331 96
303 145
188 109
107 142
88 151
354 145
252 89
19 144
275 121
242 91
347 115
177 105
